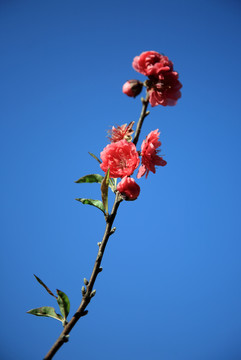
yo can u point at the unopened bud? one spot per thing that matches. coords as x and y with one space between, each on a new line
83 290
132 88
100 269
112 230
65 338
93 293
128 188
86 282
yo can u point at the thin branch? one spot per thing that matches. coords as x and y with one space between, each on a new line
89 293
144 113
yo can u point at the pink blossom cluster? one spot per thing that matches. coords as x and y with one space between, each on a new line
163 86
122 159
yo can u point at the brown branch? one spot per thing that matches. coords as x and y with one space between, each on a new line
88 293
144 114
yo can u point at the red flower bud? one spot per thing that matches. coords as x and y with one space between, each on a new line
128 188
132 88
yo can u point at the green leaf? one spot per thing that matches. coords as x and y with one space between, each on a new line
96 178
46 311
104 190
64 304
92 178
112 184
96 203
45 286
95 157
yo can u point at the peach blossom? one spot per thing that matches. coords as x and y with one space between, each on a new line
121 158
149 157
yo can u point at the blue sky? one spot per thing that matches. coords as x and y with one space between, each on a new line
170 286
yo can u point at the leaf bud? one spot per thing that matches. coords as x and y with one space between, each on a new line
93 293
65 338
112 230
83 290
86 282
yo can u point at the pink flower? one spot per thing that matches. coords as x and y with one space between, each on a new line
149 152
121 132
151 63
165 91
120 157
132 88
163 85
128 188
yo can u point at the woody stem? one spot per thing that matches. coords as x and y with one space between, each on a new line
88 294
143 115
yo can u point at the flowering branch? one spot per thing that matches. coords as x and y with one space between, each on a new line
88 293
120 159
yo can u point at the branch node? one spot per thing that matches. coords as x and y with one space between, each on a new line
112 230
109 217
64 323
84 313
99 243
65 338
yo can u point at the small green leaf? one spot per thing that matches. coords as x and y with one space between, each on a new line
112 184
46 311
96 203
92 178
95 157
45 286
64 304
104 190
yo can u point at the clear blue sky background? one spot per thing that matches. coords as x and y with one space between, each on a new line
171 284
